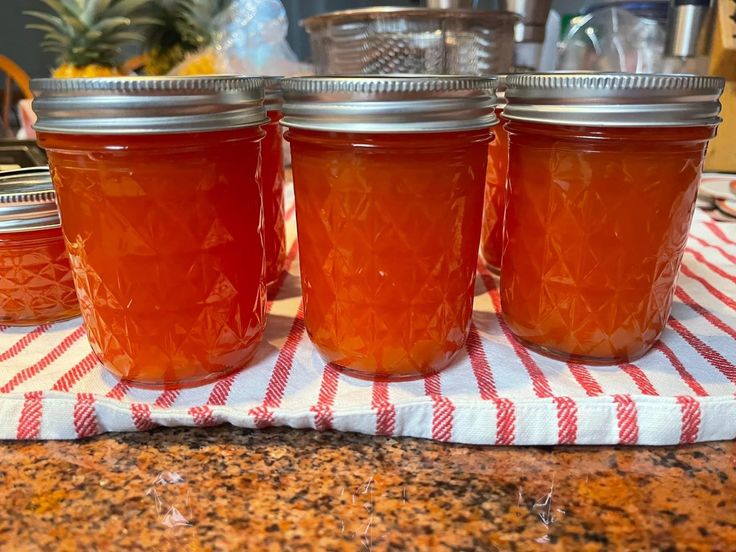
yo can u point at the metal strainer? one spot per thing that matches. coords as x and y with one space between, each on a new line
408 40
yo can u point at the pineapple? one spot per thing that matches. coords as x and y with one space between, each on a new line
203 62
88 35
184 36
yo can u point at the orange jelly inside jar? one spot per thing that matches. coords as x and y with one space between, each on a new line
272 177
164 236
388 228
596 224
491 241
36 285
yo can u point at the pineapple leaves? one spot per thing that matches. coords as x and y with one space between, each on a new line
57 7
74 8
145 20
51 36
92 32
125 7
111 23
94 9
120 36
53 21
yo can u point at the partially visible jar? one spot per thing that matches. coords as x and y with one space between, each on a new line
389 175
36 285
603 176
491 241
272 178
159 190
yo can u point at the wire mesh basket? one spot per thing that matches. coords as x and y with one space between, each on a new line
408 40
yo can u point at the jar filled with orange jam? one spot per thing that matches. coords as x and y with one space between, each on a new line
36 285
491 240
272 178
158 187
388 176
603 176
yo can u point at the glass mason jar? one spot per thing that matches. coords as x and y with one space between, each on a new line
491 237
389 175
159 192
491 241
603 176
36 285
272 178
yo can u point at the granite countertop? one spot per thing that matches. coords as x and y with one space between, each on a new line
227 488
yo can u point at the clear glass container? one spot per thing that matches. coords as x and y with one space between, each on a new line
388 40
36 285
491 241
388 221
598 212
272 179
163 228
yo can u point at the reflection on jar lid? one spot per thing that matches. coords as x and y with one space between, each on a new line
501 91
27 200
389 103
273 97
613 99
146 105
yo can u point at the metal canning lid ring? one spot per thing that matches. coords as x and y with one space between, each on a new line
613 99
27 201
389 103
150 105
273 97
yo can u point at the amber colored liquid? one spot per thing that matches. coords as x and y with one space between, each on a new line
272 177
388 229
596 224
36 285
164 235
491 240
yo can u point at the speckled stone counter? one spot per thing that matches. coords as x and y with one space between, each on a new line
229 489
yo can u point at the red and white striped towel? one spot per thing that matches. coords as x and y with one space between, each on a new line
51 386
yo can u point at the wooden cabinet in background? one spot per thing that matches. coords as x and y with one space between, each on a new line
722 151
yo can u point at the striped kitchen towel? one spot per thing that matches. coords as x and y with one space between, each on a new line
684 390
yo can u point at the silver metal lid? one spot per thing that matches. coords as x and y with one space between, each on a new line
150 105
27 200
613 99
389 103
501 91
273 95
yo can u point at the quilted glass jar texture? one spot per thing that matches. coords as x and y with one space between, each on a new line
602 180
388 227
164 236
272 178
36 283
596 225
388 180
491 241
158 185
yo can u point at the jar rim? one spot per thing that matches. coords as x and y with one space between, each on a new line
273 96
389 103
27 200
589 98
150 105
